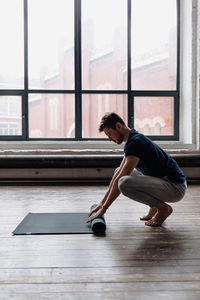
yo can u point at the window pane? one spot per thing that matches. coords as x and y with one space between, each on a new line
51 44
154 115
154 44
10 115
104 44
51 116
12 46
95 106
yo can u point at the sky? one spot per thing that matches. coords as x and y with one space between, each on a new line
11 36
51 21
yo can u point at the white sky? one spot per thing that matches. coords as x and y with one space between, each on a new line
152 29
11 36
52 21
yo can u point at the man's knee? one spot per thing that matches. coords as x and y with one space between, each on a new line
124 183
116 170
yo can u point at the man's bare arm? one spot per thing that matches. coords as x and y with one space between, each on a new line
112 180
109 188
129 163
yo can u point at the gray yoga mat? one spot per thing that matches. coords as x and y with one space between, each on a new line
60 223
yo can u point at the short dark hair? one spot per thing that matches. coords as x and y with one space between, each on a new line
109 120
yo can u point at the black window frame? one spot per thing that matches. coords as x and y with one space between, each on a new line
78 91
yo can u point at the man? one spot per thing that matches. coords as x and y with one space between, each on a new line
147 174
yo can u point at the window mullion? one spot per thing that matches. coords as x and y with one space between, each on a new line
78 77
130 97
25 94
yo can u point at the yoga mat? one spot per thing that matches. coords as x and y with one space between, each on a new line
59 223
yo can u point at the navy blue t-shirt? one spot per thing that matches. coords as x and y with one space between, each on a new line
153 160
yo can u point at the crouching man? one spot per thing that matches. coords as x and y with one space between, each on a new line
147 174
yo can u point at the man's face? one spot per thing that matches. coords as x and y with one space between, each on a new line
114 135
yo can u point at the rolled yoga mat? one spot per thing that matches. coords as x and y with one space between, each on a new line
98 225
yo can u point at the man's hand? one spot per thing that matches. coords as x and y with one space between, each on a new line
101 211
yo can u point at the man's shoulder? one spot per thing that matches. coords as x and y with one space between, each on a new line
135 145
136 137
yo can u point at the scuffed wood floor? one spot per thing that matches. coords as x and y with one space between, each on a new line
132 261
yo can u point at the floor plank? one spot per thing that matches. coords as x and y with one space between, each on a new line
132 261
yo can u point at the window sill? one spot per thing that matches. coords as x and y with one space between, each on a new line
77 167
85 147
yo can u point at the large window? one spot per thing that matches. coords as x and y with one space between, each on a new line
12 45
154 45
63 64
51 44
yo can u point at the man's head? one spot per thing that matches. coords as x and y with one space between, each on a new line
113 125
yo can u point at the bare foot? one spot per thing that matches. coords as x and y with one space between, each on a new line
151 213
164 211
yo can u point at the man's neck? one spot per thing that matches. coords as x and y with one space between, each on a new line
126 133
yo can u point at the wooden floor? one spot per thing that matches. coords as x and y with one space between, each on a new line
132 261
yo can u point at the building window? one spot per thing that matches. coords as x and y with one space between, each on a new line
9 129
51 115
9 107
10 116
75 60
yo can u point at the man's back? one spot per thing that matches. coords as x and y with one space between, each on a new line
154 161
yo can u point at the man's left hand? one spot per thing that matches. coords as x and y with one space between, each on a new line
100 213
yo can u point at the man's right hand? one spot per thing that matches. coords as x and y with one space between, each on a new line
101 211
94 210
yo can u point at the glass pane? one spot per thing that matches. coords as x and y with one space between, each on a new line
154 44
51 116
51 44
10 115
12 45
95 106
104 44
154 115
